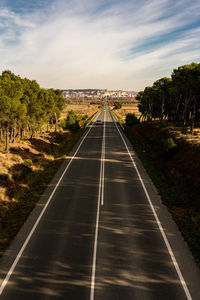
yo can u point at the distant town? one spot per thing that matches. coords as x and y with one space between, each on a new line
98 95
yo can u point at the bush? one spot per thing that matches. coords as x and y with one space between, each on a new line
28 162
71 122
117 105
184 131
21 173
131 120
4 177
169 147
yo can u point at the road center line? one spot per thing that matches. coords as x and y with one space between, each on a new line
181 278
11 270
103 160
100 200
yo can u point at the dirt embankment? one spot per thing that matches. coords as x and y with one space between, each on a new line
173 163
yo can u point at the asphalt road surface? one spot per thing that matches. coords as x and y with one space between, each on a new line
100 231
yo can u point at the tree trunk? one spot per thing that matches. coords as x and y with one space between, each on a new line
177 109
7 137
162 109
14 133
32 134
11 134
1 134
193 116
185 110
56 123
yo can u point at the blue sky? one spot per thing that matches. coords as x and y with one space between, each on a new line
121 44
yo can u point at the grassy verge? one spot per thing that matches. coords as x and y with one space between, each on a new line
118 117
90 119
31 166
175 174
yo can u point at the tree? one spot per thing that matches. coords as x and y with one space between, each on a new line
131 120
72 121
174 99
117 105
24 105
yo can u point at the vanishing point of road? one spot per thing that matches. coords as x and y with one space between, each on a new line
100 231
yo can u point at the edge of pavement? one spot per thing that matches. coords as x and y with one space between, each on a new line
15 246
182 253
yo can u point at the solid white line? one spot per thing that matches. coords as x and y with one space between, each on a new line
117 121
5 281
100 196
181 278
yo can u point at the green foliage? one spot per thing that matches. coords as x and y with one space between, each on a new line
131 120
24 105
169 147
84 117
28 162
173 99
117 105
71 122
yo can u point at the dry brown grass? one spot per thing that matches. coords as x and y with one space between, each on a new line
83 109
125 109
25 171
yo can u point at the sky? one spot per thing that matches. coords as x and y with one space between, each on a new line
104 44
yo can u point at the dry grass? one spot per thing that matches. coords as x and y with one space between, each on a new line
83 109
125 109
24 173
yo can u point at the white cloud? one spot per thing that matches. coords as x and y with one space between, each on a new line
70 45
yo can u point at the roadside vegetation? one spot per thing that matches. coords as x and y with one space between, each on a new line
117 105
37 131
25 171
167 139
174 99
25 108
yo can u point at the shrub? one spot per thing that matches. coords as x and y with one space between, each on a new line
28 162
4 177
117 105
21 172
184 131
131 120
71 122
169 147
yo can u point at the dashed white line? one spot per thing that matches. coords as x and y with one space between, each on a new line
181 278
100 200
11 270
103 161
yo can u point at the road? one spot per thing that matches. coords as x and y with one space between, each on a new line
99 231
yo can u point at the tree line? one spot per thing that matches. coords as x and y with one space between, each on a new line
174 99
25 107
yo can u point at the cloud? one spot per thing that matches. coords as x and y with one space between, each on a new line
99 44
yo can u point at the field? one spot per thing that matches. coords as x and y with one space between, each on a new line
84 109
128 108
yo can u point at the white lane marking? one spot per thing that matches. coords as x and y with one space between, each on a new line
103 160
100 196
181 278
117 121
11 270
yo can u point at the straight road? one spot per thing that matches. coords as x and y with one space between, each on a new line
97 232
